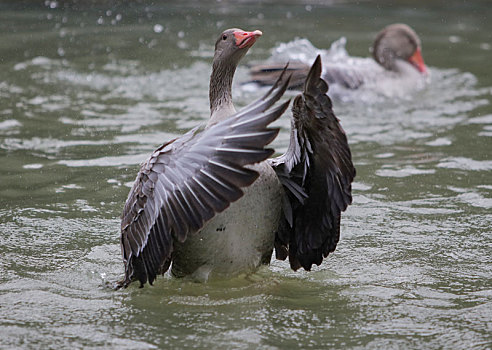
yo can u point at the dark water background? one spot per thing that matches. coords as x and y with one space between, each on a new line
88 89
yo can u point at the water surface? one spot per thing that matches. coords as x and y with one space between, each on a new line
87 92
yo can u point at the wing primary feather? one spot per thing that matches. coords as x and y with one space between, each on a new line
253 138
225 192
263 119
263 103
206 211
240 177
216 202
193 208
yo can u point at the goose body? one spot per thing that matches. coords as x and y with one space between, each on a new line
227 246
211 204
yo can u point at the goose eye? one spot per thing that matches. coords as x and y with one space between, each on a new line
224 37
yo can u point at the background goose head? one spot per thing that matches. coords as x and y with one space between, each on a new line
398 42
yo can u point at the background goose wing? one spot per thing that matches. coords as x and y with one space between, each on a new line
187 181
268 73
316 172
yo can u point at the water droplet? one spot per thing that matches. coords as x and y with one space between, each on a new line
158 28
32 166
485 46
454 39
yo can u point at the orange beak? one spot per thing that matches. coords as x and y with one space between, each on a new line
246 39
417 60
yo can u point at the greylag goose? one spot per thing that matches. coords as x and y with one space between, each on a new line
395 48
211 204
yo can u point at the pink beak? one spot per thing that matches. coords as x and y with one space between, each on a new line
418 61
246 39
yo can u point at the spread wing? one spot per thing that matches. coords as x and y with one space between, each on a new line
267 74
316 172
187 181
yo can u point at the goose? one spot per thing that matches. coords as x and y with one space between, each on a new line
212 204
396 48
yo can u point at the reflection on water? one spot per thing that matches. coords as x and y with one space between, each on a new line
87 93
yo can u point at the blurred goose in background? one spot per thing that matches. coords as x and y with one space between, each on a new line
397 51
211 204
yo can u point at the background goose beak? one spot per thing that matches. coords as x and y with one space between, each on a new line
418 61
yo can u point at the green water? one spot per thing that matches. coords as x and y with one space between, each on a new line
88 91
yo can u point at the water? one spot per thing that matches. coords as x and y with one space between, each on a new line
87 92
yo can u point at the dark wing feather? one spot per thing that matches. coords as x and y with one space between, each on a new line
187 181
316 172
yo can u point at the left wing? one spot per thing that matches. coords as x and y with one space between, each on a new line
187 181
